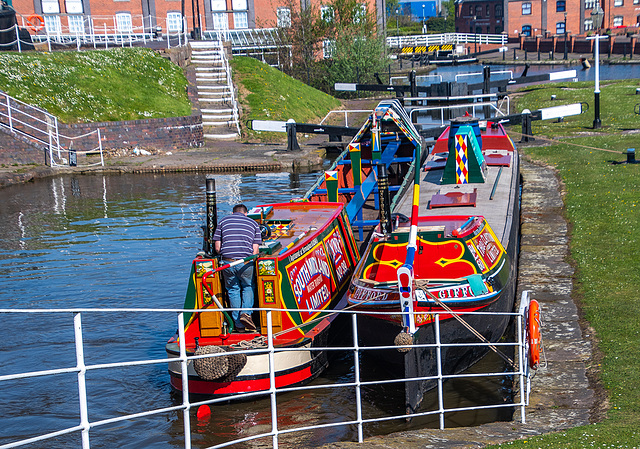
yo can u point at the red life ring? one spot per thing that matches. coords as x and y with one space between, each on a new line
35 23
533 331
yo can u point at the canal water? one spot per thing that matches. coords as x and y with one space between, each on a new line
125 241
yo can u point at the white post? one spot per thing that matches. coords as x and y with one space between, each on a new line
9 113
82 386
92 30
272 380
185 382
106 41
521 360
439 362
144 32
48 39
100 146
18 38
356 368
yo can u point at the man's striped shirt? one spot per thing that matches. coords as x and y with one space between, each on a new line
238 233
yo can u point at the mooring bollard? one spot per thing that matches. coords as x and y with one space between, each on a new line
292 139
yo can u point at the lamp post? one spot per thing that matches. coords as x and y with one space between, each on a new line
397 27
423 25
475 35
596 16
565 36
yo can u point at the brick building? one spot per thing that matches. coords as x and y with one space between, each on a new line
543 17
138 16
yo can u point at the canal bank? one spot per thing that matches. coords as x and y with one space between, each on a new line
565 392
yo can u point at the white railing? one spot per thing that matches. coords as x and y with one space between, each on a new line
98 32
519 370
346 114
498 105
234 102
497 72
445 38
41 127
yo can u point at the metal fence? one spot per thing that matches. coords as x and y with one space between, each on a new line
446 38
85 425
41 127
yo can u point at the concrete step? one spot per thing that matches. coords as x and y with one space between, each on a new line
214 100
214 124
227 136
211 69
217 118
217 87
216 111
205 44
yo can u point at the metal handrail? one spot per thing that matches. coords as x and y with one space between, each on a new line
459 106
445 38
345 112
81 368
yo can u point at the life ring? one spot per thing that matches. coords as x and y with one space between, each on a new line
533 331
35 23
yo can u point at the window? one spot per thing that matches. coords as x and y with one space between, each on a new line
328 48
174 22
588 24
561 6
526 30
50 7
218 5
635 2
240 20
618 2
52 24
589 4
479 11
498 10
123 22
560 28
488 11
471 10
326 12
526 9
220 21
73 6
360 14
618 21
284 17
76 24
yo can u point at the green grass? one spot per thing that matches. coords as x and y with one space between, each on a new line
94 86
603 206
268 94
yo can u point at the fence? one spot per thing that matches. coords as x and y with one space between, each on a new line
41 127
84 425
446 38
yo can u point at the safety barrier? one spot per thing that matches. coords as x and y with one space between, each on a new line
42 128
466 102
519 370
445 38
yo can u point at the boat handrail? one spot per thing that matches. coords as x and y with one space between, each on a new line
188 408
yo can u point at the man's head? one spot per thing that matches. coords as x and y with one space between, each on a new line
240 208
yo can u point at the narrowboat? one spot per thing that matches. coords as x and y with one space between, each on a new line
303 269
452 248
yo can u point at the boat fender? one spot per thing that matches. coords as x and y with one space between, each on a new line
404 340
211 368
533 331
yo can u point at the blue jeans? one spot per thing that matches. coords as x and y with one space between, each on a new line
238 281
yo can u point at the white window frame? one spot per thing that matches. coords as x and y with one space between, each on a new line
218 5
589 4
50 7
174 22
239 5
52 24
635 2
328 48
124 23
588 24
560 27
240 20
76 24
617 3
526 8
220 21
283 17
360 13
73 6
326 13
618 21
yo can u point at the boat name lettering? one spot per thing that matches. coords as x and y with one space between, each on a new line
304 249
314 264
365 294
462 291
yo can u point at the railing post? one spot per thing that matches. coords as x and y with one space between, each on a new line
356 368
184 374
82 386
9 113
521 365
18 38
100 146
439 361
272 380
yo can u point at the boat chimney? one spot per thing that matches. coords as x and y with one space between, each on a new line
212 215
631 156
385 201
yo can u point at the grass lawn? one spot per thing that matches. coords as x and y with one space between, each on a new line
98 85
268 94
603 206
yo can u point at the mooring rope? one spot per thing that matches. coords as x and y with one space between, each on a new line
454 314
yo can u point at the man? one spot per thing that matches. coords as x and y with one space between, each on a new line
238 236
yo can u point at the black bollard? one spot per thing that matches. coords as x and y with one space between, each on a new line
385 200
525 55
292 139
526 126
413 83
212 215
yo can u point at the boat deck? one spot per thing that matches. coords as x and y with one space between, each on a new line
496 211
